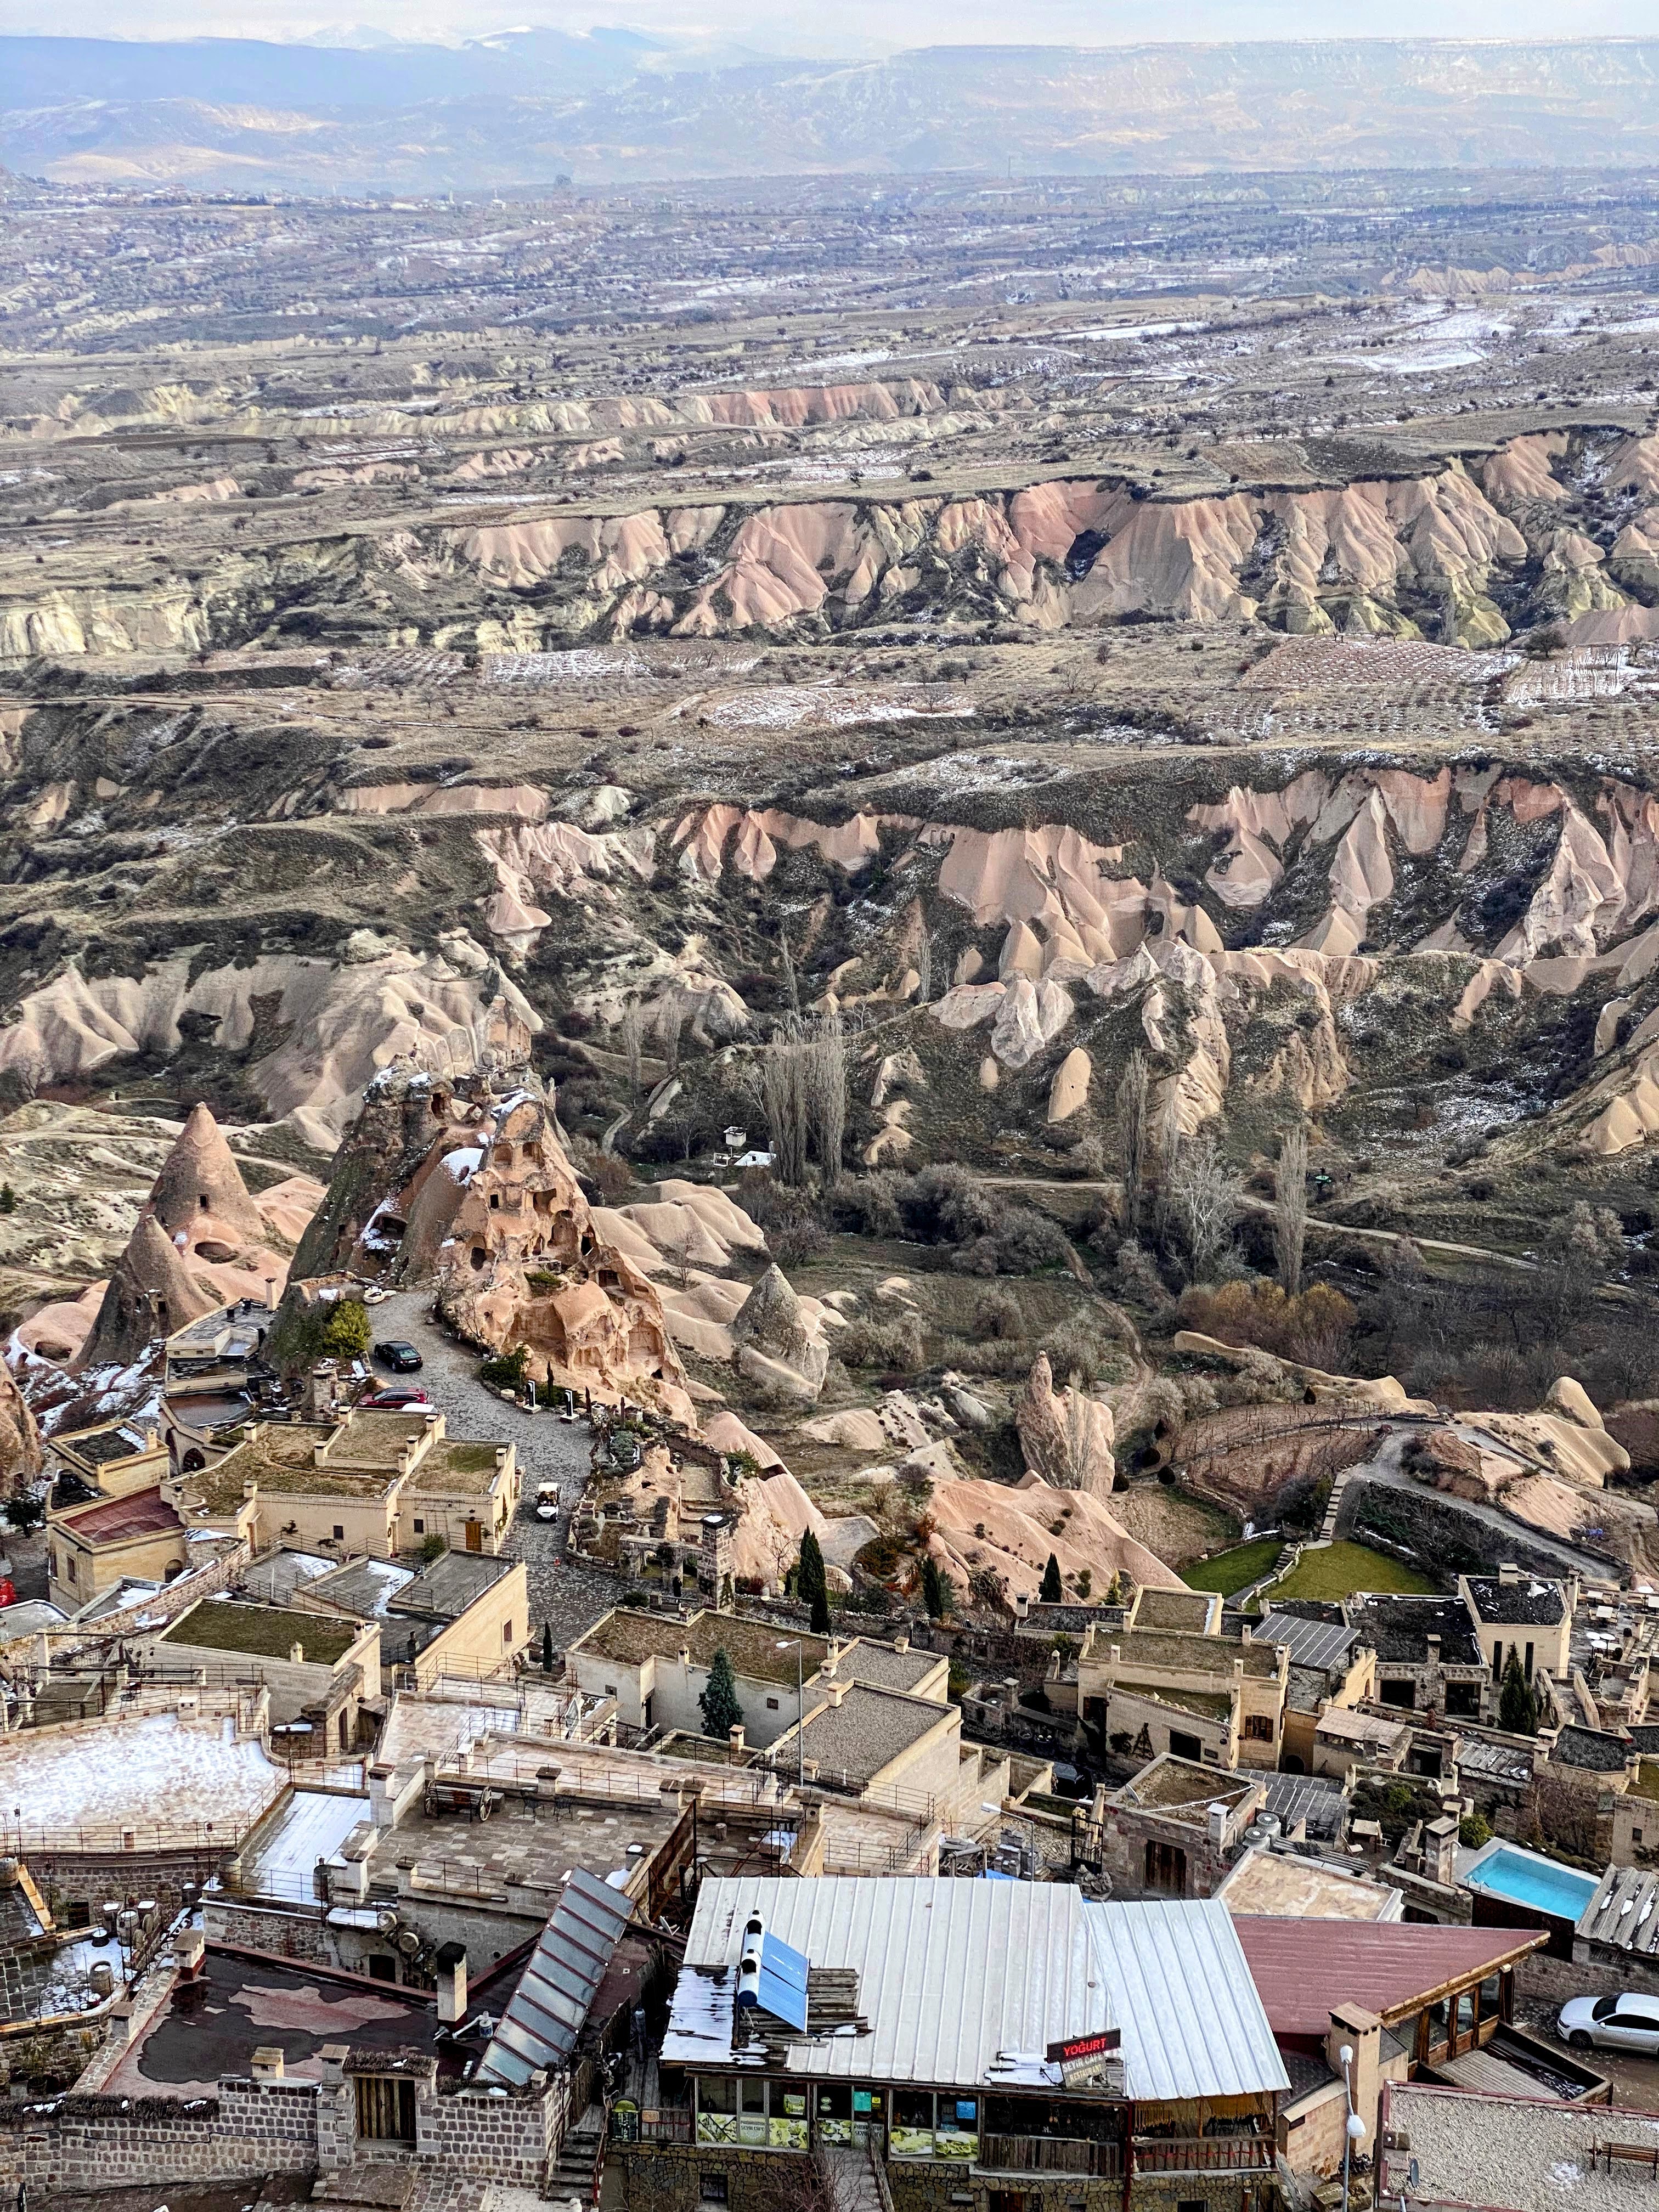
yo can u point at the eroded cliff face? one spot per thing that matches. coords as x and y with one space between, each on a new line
1479 887
1462 553
467 1188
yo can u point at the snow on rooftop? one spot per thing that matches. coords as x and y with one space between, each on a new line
138 1772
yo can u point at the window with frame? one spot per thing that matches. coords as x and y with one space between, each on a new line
1259 1728
711 2188
1492 2000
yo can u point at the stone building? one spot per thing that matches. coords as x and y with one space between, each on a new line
974 2038
1191 1691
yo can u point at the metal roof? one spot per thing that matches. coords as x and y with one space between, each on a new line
963 1983
545 2013
1304 1967
1193 2023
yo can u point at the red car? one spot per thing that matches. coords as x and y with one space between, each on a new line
394 1398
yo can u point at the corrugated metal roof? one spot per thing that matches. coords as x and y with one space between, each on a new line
1193 2023
545 2013
963 1982
1304 1967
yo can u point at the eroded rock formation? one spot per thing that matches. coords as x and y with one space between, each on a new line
1066 1436
470 1190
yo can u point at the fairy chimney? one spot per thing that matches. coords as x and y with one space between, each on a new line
200 1192
151 1294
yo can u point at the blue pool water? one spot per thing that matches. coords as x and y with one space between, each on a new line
1534 1882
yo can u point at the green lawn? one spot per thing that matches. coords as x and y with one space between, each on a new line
1341 1570
1228 1571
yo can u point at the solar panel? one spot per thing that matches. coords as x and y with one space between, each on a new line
545 2013
783 1982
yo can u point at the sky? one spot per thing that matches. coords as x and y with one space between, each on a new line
856 26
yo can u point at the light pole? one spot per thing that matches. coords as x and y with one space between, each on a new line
1355 2131
800 1711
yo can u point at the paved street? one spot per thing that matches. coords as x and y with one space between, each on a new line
570 1598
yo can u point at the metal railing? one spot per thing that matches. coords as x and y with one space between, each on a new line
1201 2154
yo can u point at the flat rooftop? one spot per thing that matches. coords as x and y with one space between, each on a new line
1509 2154
531 1847
1285 1885
262 1631
756 1649
128 1771
253 2002
852 1742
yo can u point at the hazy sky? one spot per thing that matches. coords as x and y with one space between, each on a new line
854 25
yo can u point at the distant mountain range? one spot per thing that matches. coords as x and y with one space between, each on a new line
514 112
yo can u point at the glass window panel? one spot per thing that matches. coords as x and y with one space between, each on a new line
1491 1998
1466 2014
912 2108
716 2093
753 2096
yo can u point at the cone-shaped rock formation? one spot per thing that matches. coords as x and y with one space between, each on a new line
151 1293
200 1193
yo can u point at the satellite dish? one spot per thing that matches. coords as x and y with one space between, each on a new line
1414 2177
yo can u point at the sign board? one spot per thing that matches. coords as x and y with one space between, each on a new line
1085 2059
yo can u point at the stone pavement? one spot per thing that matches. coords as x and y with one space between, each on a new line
571 1596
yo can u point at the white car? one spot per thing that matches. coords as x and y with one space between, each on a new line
547 1502
1625 2022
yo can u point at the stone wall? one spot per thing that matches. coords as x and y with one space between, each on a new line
511 2139
249 2129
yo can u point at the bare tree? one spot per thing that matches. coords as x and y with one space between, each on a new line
1291 1208
825 1075
1204 1194
924 967
632 1032
1167 1149
790 983
783 1100
1134 1135
671 1025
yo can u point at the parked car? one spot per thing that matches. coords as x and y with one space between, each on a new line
1626 2022
402 1358
394 1397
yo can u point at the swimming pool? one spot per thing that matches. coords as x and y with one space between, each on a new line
1538 1883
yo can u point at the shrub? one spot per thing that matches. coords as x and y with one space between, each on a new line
1472 1831
899 1344
507 1371
1078 1346
347 1333
433 1548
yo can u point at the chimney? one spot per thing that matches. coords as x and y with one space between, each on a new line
266 2063
686 1655
1218 1824
1354 2028
1509 1574
1117 1655
1238 1667
834 1692
734 1736
296 1653
900 1643
189 1948
452 1984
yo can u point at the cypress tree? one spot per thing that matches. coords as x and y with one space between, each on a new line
821 1611
810 1584
721 1712
1517 1701
1051 1593
547 1647
932 1595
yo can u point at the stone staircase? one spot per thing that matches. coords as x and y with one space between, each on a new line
572 2176
854 2180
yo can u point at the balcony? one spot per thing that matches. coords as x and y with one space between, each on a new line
670 2124
1202 2154
1101 2161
